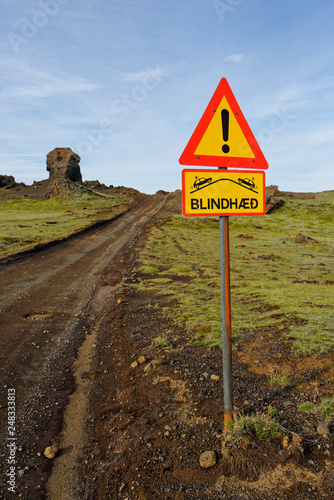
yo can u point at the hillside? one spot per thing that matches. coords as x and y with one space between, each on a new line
47 211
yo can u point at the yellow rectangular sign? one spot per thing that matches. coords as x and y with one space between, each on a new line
223 192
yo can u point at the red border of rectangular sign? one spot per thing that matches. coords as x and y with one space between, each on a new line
188 156
222 213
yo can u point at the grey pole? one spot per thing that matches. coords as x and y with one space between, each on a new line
226 320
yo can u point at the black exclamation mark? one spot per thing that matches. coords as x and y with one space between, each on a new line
225 121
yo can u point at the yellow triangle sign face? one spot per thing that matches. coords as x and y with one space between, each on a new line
237 142
223 137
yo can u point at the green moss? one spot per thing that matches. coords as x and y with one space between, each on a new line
160 281
275 281
148 270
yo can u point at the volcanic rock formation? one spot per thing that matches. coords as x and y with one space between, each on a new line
6 181
63 163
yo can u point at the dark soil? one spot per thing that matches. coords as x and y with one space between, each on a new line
152 422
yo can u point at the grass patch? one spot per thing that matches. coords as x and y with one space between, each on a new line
198 343
281 379
251 427
323 410
273 412
318 331
27 222
306 407
275 281
326 409
162 342
248 442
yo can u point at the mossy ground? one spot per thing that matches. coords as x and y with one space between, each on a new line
28 222
275 279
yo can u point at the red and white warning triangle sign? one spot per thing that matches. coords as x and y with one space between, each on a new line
223 137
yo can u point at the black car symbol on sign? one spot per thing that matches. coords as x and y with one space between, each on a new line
247 182
201 182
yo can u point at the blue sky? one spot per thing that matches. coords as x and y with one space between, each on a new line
124 84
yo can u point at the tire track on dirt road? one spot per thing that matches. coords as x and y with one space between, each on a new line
44 319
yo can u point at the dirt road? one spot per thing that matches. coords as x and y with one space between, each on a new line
48 300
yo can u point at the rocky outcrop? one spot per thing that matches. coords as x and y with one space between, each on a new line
57 187
7 181
63 163
95 185
273 204
274 198
274 191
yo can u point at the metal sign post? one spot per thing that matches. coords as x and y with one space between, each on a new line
226 320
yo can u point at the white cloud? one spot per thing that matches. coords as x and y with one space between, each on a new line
139 76
27 80
234 58
46 89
